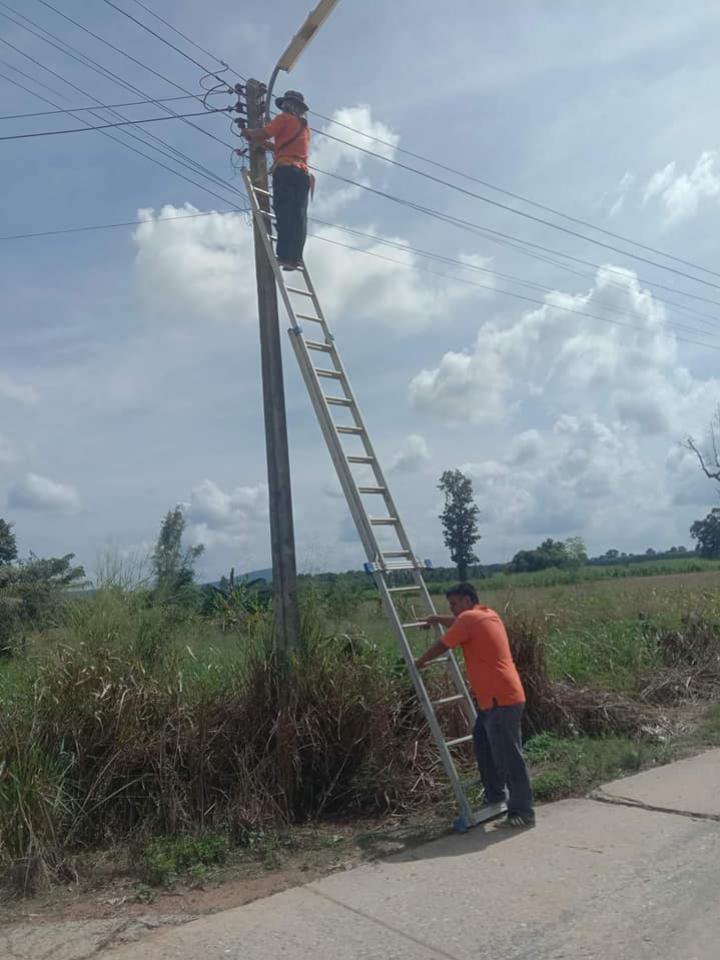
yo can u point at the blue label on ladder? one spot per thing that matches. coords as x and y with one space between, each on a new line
369 568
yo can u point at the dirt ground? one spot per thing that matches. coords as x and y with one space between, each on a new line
106 889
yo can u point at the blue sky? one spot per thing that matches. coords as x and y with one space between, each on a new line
129 357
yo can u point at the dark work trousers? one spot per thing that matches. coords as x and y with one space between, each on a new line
498 748
291 186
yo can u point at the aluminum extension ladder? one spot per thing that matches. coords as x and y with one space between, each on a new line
352 454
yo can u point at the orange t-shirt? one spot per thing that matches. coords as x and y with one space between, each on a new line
491 670
292 140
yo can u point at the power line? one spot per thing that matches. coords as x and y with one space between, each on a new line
404 248
135 60
163 40
532 217
516 196
519 296
707 318
184 36
502 190
120 223
104 106
546 208
139 152
477 228
105 126
176 155
480 230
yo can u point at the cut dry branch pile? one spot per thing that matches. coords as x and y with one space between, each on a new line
563 708
691 658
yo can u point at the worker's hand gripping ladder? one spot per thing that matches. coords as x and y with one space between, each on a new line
353 455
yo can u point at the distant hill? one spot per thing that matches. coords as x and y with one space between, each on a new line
257 575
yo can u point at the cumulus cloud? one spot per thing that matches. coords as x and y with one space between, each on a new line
11 389
331 155
34 492
631 370
592 413
578 467
215 516
194 269
334 152
681 195
412 455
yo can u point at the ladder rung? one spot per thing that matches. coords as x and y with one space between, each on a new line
382 521
372 489
338 401
412 589
260 190
355 431
315 345
304 316
389 554
454 743
443 700
302 293
330 374
361 459
415 623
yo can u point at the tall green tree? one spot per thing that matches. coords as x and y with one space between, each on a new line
8 546
459 519
707 534
173 564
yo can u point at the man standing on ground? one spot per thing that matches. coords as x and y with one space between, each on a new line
500 699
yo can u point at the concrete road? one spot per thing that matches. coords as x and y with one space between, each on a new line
599 879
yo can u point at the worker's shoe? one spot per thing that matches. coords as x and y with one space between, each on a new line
519 821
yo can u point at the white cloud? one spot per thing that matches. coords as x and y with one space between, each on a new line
342 158
34 492
682 195
20 392
592 413
412 455
193 271
227 518
616 196
578 467
630 370
196 269
330 155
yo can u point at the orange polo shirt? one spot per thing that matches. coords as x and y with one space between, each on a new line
490 667
292 140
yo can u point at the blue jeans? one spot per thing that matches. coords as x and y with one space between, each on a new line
498 748
291 187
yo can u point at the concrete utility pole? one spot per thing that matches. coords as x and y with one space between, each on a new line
286 628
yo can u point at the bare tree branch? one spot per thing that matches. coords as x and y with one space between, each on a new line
710 464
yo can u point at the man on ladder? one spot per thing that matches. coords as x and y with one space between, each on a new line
292 182
500 699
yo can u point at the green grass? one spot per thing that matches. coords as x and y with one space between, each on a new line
563 768
155 723
161 862
555 576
